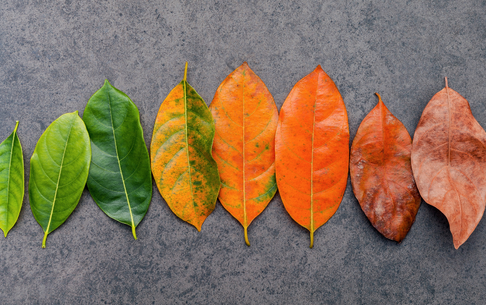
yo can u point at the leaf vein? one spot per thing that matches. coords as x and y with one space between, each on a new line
264 129
285 144
166 122
222 139
271 165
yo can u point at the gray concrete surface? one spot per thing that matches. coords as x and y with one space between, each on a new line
55 54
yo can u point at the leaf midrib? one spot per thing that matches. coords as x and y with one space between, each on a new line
57 184
245 216
8 178
184 90
449 126
384 155
120 168
449 152
312 168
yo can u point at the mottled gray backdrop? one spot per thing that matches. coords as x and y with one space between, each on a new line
55 54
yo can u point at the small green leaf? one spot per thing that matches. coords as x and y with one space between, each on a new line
120 180
58 171
11 181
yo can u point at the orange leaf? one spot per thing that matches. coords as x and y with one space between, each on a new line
448 161
381 173
312 151
245 118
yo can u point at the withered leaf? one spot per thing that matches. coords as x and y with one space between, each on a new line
381 173
448 162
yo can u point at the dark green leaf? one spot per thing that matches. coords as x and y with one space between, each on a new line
11 181
58 171
119 180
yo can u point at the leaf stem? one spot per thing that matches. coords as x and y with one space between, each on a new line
16 126
133 232
379 97
447 85
185 73
44 240
311 239
246 237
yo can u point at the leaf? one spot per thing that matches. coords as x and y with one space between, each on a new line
119 178
11 181
312 151
245 117
183 167
58 171
381 173
448 161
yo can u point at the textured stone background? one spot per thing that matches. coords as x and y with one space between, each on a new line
55 54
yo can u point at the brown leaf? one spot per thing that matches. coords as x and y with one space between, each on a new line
381 173
448 161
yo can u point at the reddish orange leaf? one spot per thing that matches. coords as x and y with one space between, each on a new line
381 173
448 162
312 151
245 117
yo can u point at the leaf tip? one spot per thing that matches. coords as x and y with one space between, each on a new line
185 73
318 68
107 83
5 233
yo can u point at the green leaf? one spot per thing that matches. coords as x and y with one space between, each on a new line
58 171
182 163
11 181
119 179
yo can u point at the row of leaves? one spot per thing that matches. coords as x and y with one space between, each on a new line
240 149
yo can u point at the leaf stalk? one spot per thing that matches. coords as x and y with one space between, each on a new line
311 239
44 240
133 232
246 236
185 73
